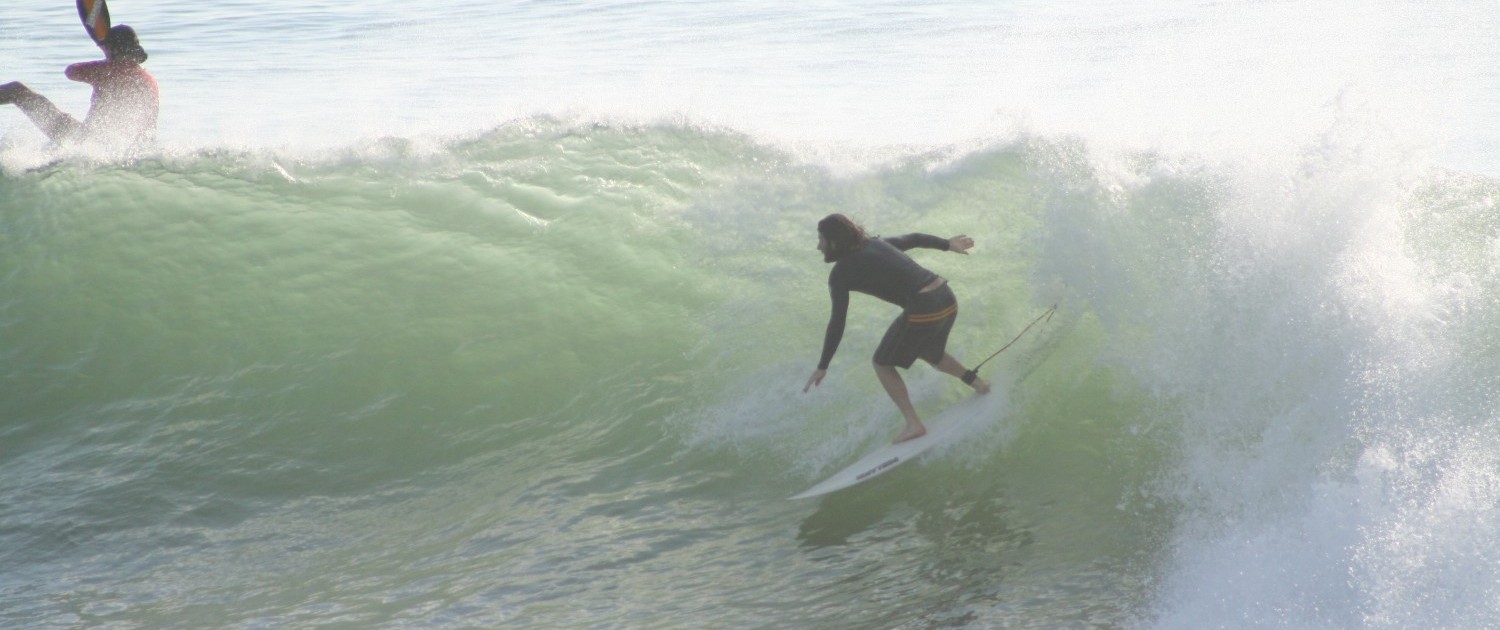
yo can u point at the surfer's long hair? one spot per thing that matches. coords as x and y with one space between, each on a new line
843 235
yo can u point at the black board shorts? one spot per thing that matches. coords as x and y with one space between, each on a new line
921 331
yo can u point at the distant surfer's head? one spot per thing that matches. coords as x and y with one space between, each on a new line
838 235
121 43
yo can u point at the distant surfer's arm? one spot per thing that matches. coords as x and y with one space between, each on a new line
834 333
87 71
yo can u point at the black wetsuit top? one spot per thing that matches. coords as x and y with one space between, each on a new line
880 268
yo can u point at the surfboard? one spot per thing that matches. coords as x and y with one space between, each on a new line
95 17
942 429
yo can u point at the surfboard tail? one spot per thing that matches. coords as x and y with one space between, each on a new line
95 17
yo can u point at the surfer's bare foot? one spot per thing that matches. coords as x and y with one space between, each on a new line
911 433
980 385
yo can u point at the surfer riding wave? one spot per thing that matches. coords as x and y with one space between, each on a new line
881 268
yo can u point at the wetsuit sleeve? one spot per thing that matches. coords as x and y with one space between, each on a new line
908 241
835 334
87 71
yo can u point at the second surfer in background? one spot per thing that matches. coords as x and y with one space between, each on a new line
125 103
880 267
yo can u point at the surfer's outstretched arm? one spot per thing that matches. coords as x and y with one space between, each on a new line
814 380
52 121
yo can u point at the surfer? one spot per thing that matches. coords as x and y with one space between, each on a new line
124 106
881 268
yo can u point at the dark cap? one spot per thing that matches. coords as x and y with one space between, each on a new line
121 42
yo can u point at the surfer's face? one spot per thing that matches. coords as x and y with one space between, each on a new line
824 246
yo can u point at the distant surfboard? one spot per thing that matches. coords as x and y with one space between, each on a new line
95 17
940 430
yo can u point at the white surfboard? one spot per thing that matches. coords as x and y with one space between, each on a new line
942 429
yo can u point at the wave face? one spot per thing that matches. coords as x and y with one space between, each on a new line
550 376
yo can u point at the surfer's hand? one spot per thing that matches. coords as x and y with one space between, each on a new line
960 244
815 379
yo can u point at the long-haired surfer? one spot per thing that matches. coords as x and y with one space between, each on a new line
125 102
881 268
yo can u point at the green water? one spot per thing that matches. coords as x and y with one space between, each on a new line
550 376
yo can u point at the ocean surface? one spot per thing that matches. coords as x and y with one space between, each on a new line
497 315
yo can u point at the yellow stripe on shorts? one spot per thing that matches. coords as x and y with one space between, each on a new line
933 318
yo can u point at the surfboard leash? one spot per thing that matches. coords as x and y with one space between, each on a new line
969 376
